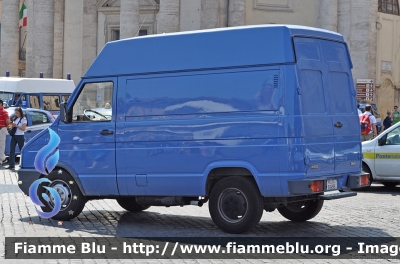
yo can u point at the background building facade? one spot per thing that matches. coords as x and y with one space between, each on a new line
64 36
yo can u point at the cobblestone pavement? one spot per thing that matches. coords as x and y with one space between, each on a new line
374 214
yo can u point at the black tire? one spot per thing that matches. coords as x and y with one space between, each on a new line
301 211
131 205
73 202
390 184
236 204
366 169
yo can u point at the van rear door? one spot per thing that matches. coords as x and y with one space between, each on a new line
330 121
342 107
317 126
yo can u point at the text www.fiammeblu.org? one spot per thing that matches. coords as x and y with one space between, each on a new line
235 248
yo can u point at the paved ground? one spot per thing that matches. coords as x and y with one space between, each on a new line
374 213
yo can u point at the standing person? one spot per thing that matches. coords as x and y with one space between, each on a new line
396 115
388 121
20 123
4 122
368 124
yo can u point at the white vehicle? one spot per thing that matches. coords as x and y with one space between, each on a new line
38 93
382 157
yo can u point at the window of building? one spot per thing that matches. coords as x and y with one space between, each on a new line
115 34
389 6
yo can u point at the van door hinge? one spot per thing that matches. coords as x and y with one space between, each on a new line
299 90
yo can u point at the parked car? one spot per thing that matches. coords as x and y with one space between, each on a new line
382 157
37 121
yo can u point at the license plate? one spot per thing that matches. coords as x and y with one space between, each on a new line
331 185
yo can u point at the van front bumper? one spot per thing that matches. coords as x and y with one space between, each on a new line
25 179
297 187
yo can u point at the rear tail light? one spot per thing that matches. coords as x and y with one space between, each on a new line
317 186
364 180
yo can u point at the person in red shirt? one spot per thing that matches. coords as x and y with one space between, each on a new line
4 123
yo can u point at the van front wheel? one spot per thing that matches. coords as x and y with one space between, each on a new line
131 205
301 211
71 197
236 204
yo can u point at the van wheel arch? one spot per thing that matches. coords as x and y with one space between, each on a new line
218 174
365 166
70 172
367 169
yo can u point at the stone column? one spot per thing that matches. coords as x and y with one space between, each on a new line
237 13
214 13
59 10
44 37
327 13
30 62
223 13
89 41
168 16
9 37
129 18
363 38
372 38
344 18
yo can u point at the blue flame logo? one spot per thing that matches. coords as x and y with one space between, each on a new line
45 161
47 158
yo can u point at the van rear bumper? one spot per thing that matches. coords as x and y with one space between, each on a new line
297 187
25 179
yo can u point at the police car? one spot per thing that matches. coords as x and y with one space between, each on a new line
382 157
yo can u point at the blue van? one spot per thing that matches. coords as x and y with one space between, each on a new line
249 118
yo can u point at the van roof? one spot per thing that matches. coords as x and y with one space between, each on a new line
35 85
204 49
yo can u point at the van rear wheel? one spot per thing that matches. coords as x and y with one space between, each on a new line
236 204
301 211
131 205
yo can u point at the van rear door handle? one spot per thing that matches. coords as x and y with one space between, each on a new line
338 125
106 132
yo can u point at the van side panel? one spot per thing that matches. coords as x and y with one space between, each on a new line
231 47
292 164
180 126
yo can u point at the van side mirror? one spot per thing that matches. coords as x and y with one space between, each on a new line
64 112
382 141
